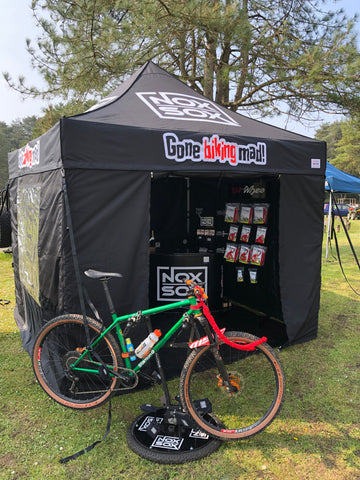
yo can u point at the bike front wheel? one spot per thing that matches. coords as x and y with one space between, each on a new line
59 344
254 399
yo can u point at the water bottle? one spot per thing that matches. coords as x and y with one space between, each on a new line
130 349
146 345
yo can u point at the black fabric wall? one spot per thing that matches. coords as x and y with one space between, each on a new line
168 213
300 243
37 230
110 217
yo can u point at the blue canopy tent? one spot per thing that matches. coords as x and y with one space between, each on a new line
338 181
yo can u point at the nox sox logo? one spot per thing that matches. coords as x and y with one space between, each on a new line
178 106
171 285
214 149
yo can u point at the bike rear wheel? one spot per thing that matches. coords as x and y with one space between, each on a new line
58 345
258 382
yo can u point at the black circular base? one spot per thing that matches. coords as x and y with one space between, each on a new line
152 437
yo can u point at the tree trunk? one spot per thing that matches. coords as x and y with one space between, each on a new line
210 65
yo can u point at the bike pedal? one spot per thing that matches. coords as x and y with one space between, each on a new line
203 406
103 373
184 419
156 377
175 416
148 408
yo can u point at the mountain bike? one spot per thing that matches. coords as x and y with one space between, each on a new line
231 385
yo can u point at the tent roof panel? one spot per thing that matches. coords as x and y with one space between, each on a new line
153 97
339 181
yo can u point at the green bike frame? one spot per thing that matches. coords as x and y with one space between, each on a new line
117 321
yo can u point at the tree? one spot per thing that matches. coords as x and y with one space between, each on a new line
262 56
4 175
20 132
53 113
347 152
12 137
330 133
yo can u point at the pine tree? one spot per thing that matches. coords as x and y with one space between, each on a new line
348 148
331 134
261 56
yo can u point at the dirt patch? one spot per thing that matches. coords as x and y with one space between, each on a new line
8 460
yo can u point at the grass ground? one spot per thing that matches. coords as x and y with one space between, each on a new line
316 435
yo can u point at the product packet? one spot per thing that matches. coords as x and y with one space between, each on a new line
246 214
244 253
245 233
233 231
260 235
240 274
232 212
261 211
253 274
257 256
231 252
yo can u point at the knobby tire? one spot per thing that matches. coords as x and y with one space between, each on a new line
60 342
259 385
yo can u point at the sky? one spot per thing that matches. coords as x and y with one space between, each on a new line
17 24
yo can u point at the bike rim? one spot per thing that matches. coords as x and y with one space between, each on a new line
58 350
258 383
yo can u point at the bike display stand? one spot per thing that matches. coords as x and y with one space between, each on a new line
168 435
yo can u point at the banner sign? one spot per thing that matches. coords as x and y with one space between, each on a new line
214 149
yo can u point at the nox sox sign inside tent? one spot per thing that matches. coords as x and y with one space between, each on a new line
156 160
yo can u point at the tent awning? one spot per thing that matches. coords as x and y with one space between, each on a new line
339 181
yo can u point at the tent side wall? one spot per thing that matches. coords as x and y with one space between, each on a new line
37 232
110 220
300 249
37 218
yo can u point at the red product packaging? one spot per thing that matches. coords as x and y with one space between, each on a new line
260 235
261 211
233 231
245 233
231 252
244 254
231 212
257 256
246 214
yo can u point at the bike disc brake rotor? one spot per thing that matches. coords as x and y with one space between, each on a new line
236 380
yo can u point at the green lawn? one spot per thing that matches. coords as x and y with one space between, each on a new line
316 436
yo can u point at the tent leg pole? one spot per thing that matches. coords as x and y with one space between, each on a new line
328 226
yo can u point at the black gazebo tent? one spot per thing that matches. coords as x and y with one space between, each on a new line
156 146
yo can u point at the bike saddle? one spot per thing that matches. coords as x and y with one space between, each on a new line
97 275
